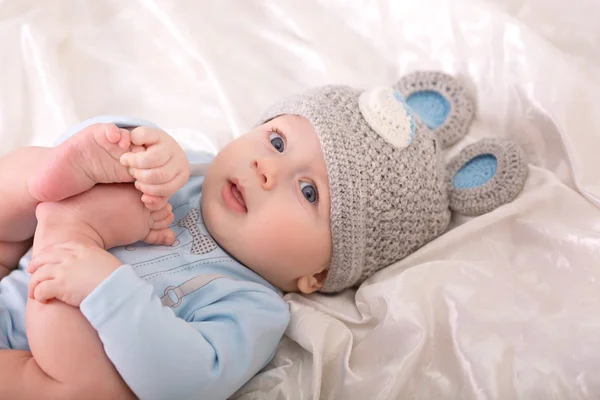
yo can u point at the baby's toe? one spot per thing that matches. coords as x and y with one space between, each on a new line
160 237
111 131
162 218
154 203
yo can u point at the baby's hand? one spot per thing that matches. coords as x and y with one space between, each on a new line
159 165
69 272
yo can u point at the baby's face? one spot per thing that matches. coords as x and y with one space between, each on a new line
265 200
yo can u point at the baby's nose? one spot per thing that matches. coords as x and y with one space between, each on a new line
266 171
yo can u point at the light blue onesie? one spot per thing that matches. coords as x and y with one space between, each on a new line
185 321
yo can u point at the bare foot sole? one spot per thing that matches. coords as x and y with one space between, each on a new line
107 215
89 157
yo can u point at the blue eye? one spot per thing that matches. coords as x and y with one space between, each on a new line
309 191
277 141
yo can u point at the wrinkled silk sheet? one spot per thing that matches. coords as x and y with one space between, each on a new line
503 306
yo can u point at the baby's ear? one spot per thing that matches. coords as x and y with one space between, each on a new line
486 175
441 103
312 283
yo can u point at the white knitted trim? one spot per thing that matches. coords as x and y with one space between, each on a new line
386 112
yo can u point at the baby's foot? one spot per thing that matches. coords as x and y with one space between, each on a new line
89 157
110 215
159 227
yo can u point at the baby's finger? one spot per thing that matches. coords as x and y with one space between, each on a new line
166 189
154 203
34 264
43 274
46 290
155 176
128 159
144 136
41 258
153 157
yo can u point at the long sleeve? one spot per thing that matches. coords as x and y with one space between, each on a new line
211 354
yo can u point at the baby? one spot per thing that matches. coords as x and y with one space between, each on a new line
332 186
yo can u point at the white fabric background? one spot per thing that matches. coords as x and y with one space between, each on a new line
504 306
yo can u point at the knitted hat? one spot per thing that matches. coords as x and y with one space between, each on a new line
389 189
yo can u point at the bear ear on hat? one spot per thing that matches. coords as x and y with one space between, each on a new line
440 102
485 176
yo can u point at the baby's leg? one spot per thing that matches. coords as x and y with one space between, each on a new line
17 213
20 375
64 346
33 174
11 253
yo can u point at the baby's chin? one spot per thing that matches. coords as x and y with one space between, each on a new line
225 236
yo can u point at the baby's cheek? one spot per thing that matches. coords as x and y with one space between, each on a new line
275 236
288 237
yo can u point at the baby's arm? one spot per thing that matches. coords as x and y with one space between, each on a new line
210 354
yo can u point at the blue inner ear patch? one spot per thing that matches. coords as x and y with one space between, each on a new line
430 106
476 172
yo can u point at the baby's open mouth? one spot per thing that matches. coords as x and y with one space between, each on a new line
233 196
238 195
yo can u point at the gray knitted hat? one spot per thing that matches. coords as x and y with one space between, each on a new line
390 192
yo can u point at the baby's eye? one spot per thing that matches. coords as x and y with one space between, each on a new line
309 191
277 141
